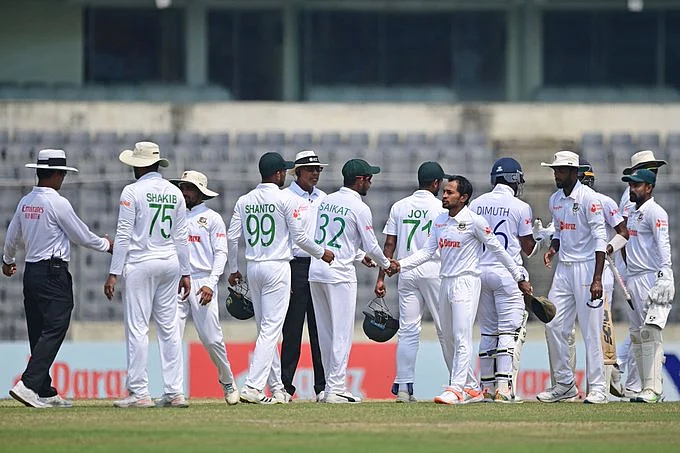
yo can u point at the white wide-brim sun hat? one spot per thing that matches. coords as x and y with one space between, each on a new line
643 159
563 159
199 180
306 158
51 159
144 154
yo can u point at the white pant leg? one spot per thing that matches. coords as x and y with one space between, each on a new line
269 283
408 337
487 319
590 321
558 330
429 290
462 294
509 304
207 321
639 286
164 313
343 301
324 326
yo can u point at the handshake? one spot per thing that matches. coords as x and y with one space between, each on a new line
394 268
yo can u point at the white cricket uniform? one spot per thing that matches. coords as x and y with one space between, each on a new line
648 250
208 256
46 220
151 252
411 221
460 241
579 226
344 224
501 303
267 219
305 211
612 217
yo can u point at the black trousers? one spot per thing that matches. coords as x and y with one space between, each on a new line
300 306
48 302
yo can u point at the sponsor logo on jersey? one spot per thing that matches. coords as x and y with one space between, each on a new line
487 230
194 238
632 232
368 227
557 207
574 208
32 212
595 208
527 221
613 212
125 203
448 243
221 235
661 223
567 226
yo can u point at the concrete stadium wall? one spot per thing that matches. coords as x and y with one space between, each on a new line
499 121
40 41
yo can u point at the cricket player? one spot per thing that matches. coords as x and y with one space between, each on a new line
650 282
580 239
208 256
344 224
151 253
266 218
626 360
407 229
501 314
460 236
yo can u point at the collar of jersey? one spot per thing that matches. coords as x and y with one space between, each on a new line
150 175
423 193
464 214
198 208
295 187
350 191
502 188
644 206
578 188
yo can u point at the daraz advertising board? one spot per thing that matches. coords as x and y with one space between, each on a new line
97 370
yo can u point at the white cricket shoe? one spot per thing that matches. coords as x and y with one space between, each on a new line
281 397
472 395
231 394
557 393
595 397
134 400
175 400
254 396
648 396
320 396
26 396
451 395
56 401
342 398
506 397
405 397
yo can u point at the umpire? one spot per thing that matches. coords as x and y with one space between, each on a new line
307 170
47 223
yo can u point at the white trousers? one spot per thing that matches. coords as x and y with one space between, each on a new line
151 291
269 283
458 301
638 287
570 292
334 308
207 321
416 293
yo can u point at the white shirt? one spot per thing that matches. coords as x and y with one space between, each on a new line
509 218
344 225
207 244
307 205
151 224
266 216
46 222
625 205
460 240
579 223
612 214
648 248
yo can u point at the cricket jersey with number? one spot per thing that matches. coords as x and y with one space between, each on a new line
46 222
459 240
207 244
648 248
579 223
267 219
151 224
509 218
411 220
344 224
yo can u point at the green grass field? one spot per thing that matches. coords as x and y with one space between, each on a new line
210 425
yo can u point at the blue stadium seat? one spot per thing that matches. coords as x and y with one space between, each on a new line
331 139
27 137
302 140
217 140
388 139
446 139
357 139
649 140
190 139
106 138
275 139
246 139
415 139
51 139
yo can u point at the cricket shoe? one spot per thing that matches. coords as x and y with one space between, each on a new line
489 395
451 395
320 396
472 395
595 397
631 394
26 396
134 400
231 394
648 396
405 397
615 385
506 397
281 397
254 396
558 392
342 398
56 401
175 400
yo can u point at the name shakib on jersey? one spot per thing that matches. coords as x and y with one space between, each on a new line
161 198
267 208
335 209
495 211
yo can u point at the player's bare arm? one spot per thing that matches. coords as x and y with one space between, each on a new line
552 251
234 278
110 286
204 295
184 286
596 285
388 250
9 269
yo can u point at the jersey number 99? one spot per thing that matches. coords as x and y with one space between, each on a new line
260 229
